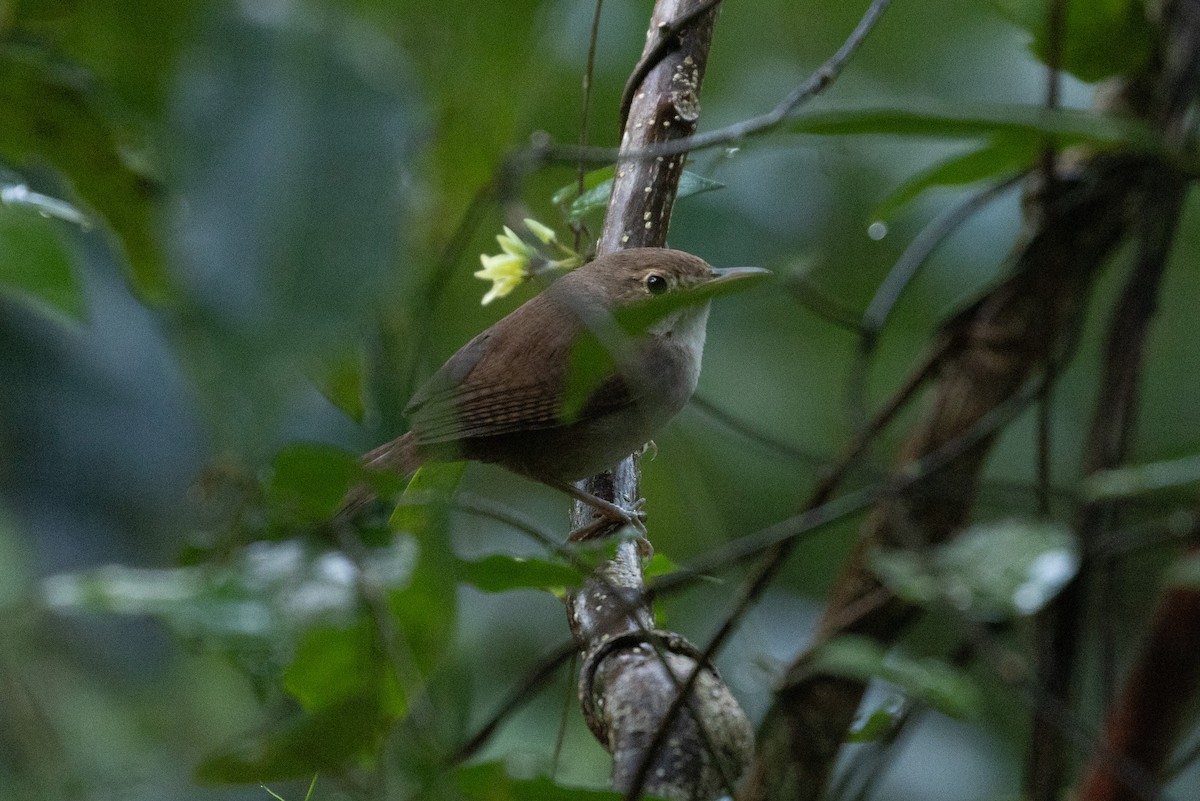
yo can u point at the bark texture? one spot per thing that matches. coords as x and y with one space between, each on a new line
672 726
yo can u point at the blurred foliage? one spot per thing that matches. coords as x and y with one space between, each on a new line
235 235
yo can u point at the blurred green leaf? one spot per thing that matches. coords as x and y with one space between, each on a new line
935 121
332 665
1103 38
659 565
943 687
499 573
991 571
265 598
425 504
310 480
598 187
1123 482
291 135
1185 572
1003 155
35 262
877 726
341 382
51 116
591 363
323 741
425 610
490 782
570 194
19 195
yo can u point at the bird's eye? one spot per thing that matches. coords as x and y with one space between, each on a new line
656 284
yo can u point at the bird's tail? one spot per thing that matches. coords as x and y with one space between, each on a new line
398 456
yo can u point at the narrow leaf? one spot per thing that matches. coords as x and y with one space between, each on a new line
310 480
1068 126
1003 155
498 573
35 263
941 686
52 117
1123 482
992 571
595 197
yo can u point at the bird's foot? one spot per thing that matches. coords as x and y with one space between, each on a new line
609 517
608 521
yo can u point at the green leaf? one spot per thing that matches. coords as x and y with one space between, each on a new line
499 573
992 571
52 116
570 192
425 610
876 727
937 121
425 504
332 665
341 382
691 183
324 741
946 689
491 782
598 187
264 599
35 263
1123 482
1003 155
660 565
309 480
19 195
1103 38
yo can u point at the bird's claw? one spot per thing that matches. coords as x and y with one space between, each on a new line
605 521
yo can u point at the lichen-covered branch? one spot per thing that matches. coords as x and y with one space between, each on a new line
671 724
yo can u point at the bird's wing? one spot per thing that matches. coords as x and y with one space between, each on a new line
474 394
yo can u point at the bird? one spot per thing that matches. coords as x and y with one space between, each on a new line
523 394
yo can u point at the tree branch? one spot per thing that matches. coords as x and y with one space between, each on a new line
993 349
671 724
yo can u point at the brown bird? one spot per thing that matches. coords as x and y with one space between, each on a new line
526 394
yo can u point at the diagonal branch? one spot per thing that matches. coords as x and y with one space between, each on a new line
993 349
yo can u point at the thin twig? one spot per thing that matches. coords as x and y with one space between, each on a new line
879 310
752 433
811 521
816 83
1056 29
822 305
585 111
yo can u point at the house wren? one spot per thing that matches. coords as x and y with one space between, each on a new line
519 394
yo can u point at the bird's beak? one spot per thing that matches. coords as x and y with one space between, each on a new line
722 275
725 280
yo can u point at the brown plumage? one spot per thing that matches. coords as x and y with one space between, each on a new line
500 398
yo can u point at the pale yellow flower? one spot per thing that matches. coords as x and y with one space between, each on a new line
518 260
544 233
507 269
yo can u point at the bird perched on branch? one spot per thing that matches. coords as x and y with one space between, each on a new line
572 381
